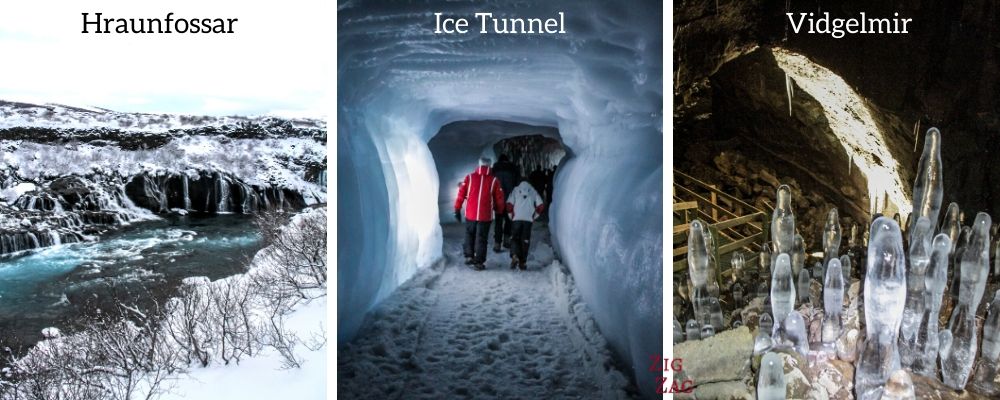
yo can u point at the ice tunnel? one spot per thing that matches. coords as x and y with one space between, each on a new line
458 146
597 88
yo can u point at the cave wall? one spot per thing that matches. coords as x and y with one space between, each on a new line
944 73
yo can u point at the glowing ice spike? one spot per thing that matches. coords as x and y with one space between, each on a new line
783 222
803 286
833 302
959 356
796 332
737 263
885 294
991 331
782 289
928 187
771 379
899 387
798 254
935 282
831 237
913 311
697 255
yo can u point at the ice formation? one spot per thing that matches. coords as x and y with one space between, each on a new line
845 265
783 222
958 345
991 332
919 258
771 378
693 330
678 331
738 262
884 296
782 290
707 309
802 288
928 187
765 323
952 224
762 343
833 302
798 254
831 237
737 290
935 281
795 331
398 90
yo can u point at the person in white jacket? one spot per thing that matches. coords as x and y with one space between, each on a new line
524 205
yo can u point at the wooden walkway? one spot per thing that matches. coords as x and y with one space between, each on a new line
734 224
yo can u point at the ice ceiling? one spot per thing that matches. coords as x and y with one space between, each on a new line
599 85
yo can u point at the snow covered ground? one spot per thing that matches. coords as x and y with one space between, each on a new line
263 377
452 332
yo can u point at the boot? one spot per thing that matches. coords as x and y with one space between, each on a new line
480 266
496 247
468 260
513 262
524 265
506 242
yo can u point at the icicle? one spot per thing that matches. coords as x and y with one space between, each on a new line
958 354
913 311
833 302
789 91
782 289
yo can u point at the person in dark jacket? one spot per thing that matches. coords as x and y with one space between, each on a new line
506 172
485 196
524 205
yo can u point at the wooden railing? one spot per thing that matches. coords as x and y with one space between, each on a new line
734 224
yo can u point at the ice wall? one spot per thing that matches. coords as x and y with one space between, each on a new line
599 84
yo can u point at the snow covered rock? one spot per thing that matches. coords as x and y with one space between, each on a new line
720 358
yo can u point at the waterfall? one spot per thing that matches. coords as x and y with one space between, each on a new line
184 188
223 190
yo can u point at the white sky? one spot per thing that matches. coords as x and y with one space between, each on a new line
277 62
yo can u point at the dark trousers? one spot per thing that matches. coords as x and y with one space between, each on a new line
520 239
502 228
476 235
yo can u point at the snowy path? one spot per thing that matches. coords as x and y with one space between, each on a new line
452 332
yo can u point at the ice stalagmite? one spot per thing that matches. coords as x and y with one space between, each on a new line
935 281
738 262
928 187
919 258
715 317
795 332
802 287
693 330
782 290
783 222
986 375
764 260
845 266
952 224
991 332
737 290
833 302
771 378
798 254
765 323
958 346
817 270
831 237
703 278
707 331
885 294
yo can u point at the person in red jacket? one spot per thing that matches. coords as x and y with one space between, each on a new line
485 196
